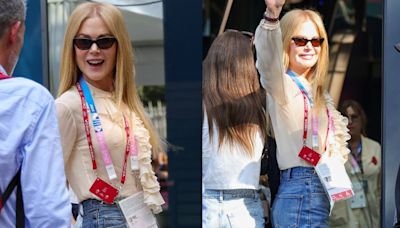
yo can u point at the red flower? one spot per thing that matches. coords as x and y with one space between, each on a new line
374 160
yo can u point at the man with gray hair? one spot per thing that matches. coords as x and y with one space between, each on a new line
33 190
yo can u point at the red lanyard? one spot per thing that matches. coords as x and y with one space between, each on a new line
89 140
3 76
305 129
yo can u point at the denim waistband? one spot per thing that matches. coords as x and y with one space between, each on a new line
231 193
90 203
299 172
90 206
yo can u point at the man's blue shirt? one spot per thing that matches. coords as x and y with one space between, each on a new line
29 138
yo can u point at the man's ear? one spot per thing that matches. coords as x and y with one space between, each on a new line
13 32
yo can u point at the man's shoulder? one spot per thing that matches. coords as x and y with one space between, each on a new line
26 88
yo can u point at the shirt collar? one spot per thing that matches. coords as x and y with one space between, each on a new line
2 70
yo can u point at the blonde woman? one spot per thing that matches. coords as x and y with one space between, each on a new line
107 139
234 130
292 58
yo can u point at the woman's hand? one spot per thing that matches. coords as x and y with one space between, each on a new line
274 7
275 3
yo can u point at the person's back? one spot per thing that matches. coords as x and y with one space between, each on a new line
29 135
233 134
29 139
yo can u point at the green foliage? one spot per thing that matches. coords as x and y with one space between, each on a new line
152 93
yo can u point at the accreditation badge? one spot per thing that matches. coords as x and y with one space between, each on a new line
104 191
134 163
334 178
136 212
309 155
358 200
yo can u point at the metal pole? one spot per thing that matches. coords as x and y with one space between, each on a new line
226 16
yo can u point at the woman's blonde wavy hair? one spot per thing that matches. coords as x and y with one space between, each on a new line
124 78
290 22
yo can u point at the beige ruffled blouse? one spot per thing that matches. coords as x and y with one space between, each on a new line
78 163
285 104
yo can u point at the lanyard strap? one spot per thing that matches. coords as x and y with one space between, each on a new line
105 152
301 87
87 127
88 135
3 76
356 161
127 149
359 148
305 128
314 117
329 130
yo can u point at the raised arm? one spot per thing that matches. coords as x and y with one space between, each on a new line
268 42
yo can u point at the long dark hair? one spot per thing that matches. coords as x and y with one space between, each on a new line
232 97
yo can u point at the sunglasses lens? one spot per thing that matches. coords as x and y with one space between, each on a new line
105 43
83 44
303 42
316 42
300 41
102 43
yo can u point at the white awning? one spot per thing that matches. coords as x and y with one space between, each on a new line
144 19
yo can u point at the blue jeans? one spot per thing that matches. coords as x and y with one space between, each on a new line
97 214
301 200
232 208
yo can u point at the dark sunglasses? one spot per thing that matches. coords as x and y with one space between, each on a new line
102 43
300 42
